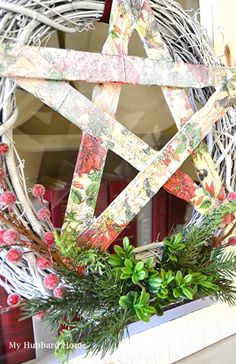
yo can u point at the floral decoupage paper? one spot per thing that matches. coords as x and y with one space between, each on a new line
101 132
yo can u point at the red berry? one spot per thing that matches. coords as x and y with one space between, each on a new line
232 241
51 281
79 269
58 292
42 263
1 236
39 315
7 198
43 214
14 255
4 149
13 299
66 261
10 236
48 238
231 196
38 190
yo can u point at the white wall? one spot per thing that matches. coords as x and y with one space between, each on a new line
218 18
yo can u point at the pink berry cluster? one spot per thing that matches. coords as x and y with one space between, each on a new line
9 237
14 255
43 213
51 282
7 198
231 196
4 149
48 239
43 262
40 315
13 299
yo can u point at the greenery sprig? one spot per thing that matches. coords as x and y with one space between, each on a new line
116 289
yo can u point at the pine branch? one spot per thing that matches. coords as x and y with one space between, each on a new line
227 291
190 267
222 264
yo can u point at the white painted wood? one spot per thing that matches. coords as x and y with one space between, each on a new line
42 334
221 352
168 342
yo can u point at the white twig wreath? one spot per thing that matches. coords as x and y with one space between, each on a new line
31 23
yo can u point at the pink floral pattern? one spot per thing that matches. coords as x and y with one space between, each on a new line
91 155
101 131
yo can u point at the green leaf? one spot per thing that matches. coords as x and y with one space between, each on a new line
209 285
178 238
129 263
115 261
149 263
146 317
140 313
124 302
127 270
144 296
150 310
155 282
134 295
163 274
129 254
187 292
188 278
179 277
119 251
135 278
139 266
125 276
153 290
198 277
164 291
170 277
167 242
141 275
176 293
126 243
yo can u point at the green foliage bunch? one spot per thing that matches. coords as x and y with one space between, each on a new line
117 289
156 285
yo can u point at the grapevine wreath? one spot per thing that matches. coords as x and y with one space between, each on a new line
68 277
